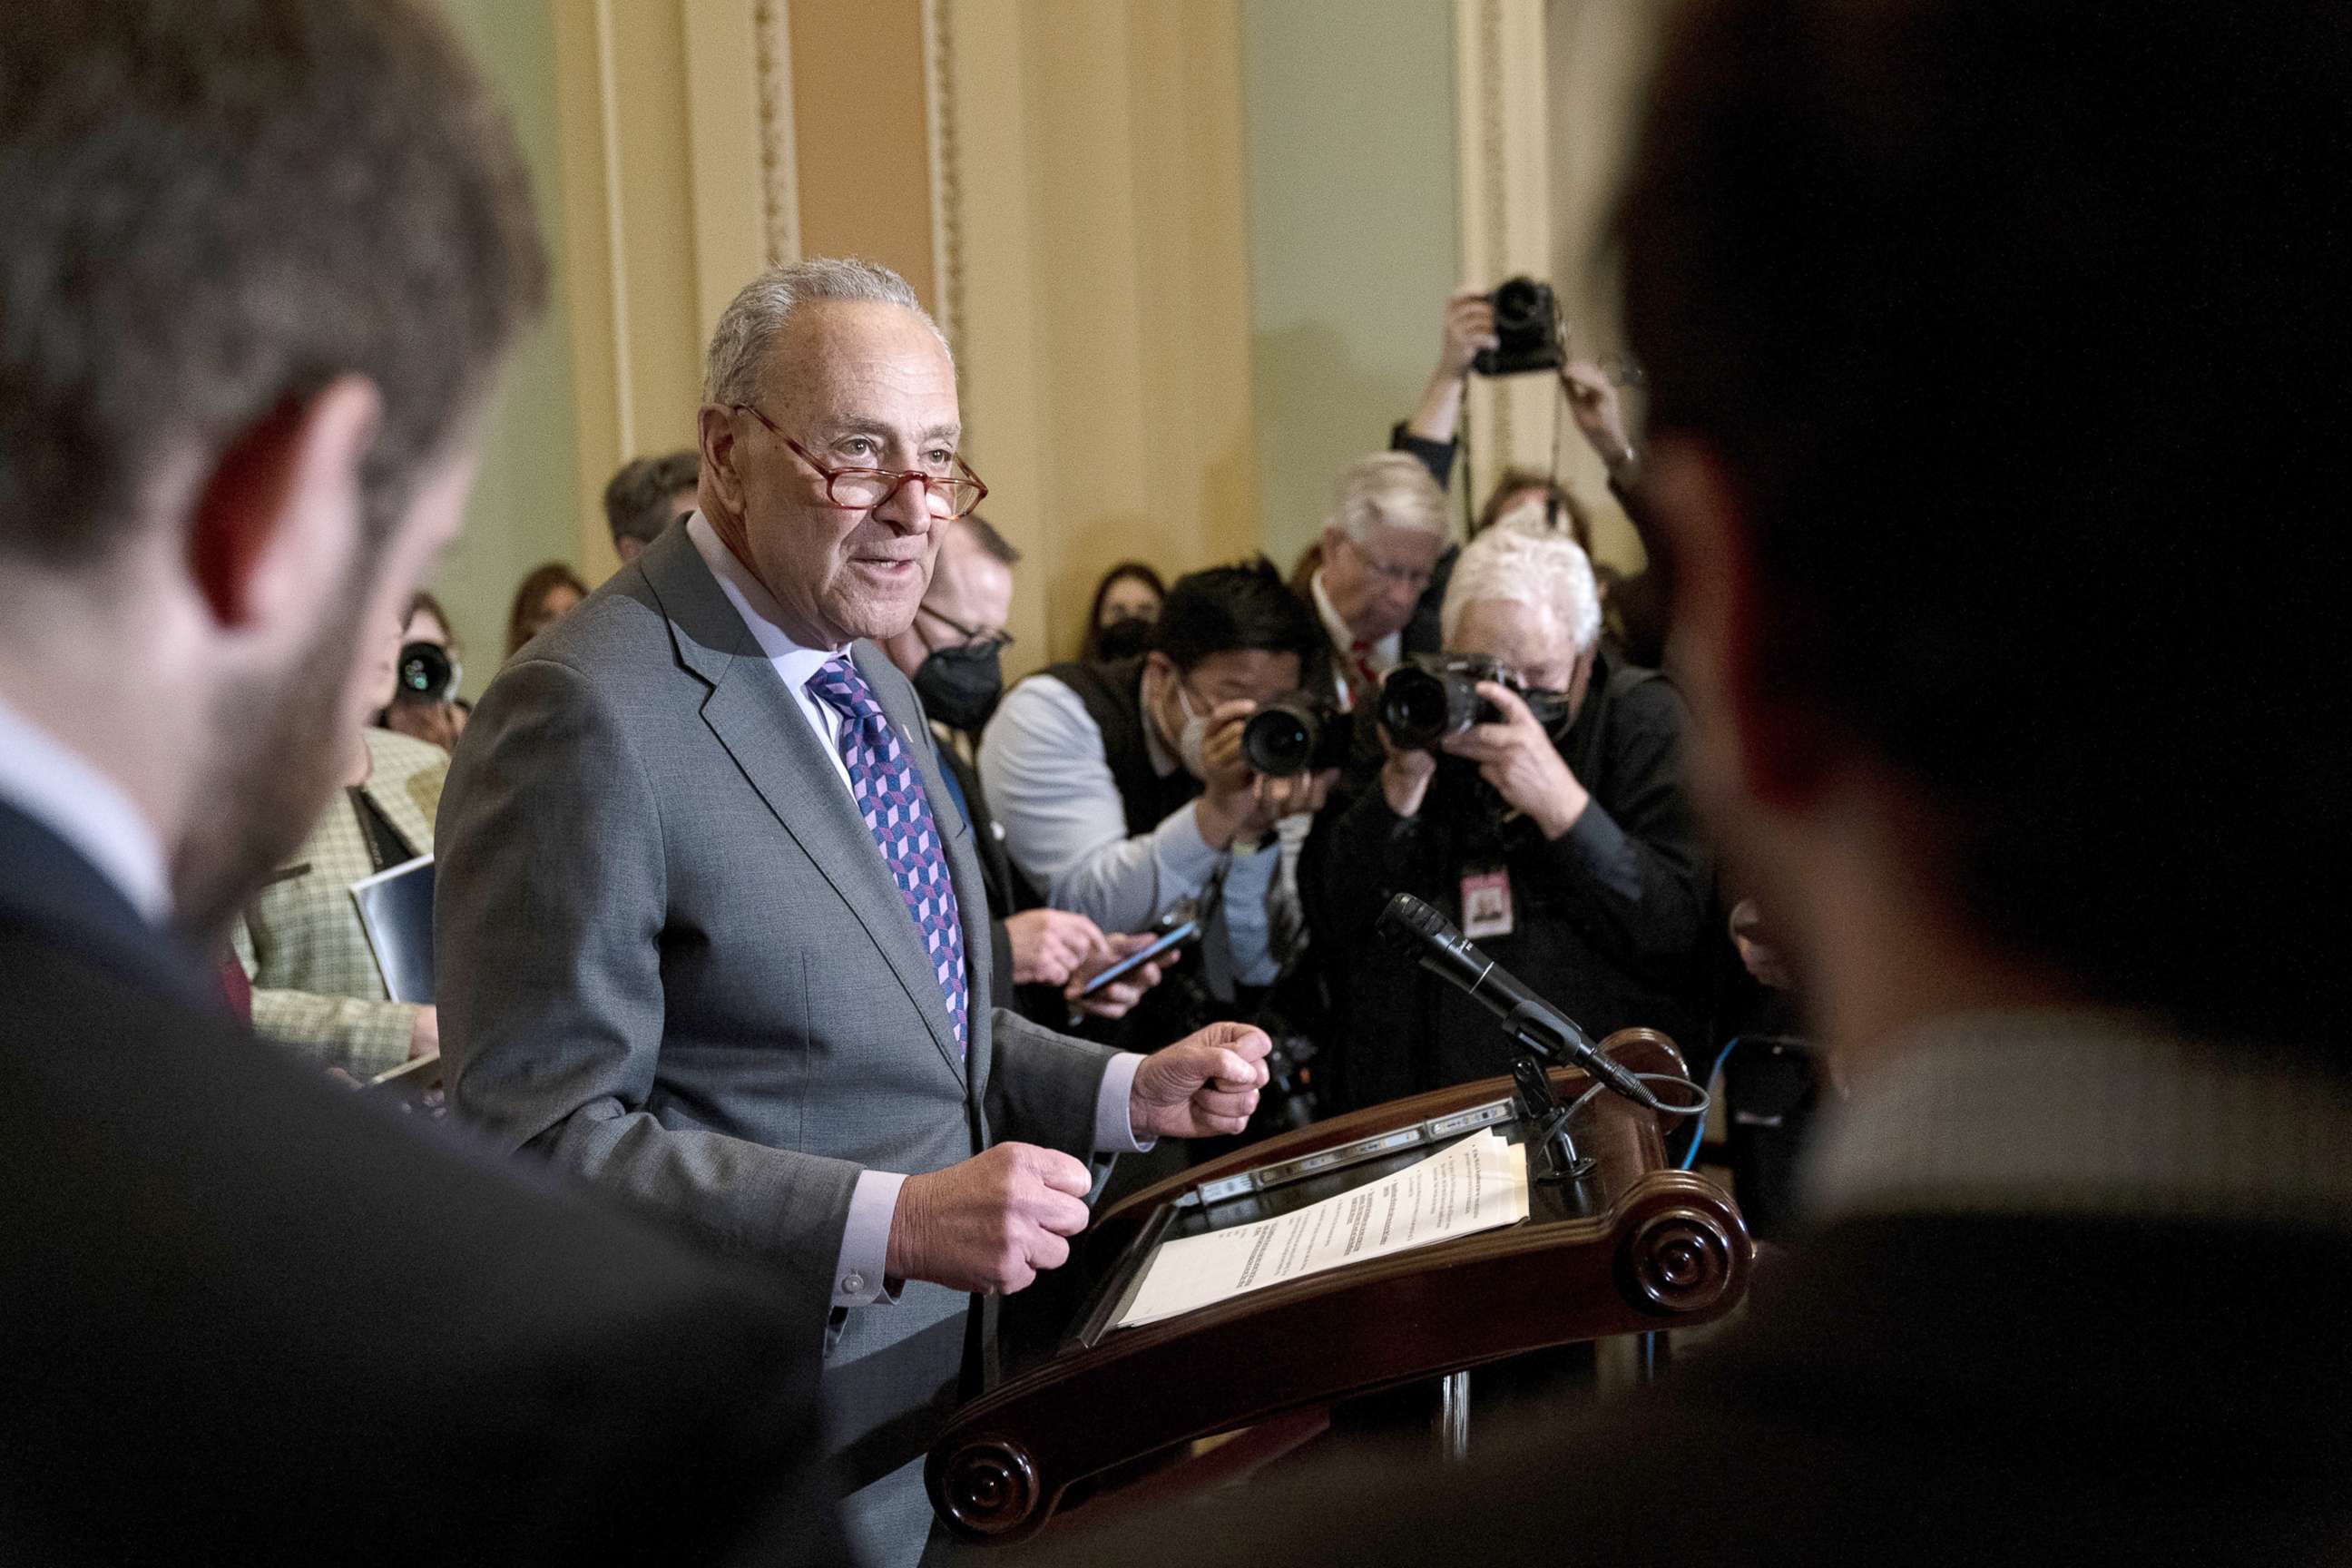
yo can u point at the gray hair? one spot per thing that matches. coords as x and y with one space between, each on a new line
730 372
1520 562
1388 488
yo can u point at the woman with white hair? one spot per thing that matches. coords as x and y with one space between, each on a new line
1556 833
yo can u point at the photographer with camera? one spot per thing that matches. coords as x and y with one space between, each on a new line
1531 790
424 705
1515 330
1124 792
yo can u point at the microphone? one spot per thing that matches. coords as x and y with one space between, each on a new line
1418 931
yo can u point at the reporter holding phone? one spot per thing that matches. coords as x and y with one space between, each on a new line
1123 792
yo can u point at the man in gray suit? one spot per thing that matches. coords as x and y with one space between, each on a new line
704 910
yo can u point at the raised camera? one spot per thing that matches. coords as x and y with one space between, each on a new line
1526 330
1301 733
428 673
1436 695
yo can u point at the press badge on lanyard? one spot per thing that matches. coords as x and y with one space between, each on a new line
1486 902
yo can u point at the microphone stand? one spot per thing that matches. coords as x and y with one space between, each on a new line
1541 1104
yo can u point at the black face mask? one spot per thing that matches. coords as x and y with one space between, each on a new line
960 686
1123 638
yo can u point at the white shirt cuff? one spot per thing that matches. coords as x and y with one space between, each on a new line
1114 1128
857 1279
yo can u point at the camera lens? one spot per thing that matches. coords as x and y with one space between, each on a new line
1413 707
425 672
1517 305
1279 740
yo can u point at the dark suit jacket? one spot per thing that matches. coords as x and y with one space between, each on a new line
670 958
1927 1389
250 1319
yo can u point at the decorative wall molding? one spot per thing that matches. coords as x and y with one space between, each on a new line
616 250
947 184
779 202
1502 138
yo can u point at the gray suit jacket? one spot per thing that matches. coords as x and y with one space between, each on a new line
670 958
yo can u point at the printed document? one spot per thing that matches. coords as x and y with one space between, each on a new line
1479 1183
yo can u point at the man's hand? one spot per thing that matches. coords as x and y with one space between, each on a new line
438 723
1229 807
425 1035
1202 1086
1118 998
1469 329
1405 776
1757 952
1300 793
990 1223
1600 413
1049 946
1518 759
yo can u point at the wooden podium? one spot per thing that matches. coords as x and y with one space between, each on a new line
1633 1246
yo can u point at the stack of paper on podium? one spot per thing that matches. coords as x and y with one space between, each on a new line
1479 1183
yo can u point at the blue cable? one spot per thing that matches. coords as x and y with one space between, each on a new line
1698 1122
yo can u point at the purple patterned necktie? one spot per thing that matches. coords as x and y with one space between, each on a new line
890 797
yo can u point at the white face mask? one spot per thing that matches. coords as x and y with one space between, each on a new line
1192 744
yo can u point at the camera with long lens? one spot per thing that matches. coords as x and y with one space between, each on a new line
1436 695
1526 330
427 673
1301 733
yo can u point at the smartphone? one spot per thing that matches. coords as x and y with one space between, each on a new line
1163 945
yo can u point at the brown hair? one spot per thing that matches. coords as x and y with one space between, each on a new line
213 211
1091 647
1572 514
522 620
1940 284
637 497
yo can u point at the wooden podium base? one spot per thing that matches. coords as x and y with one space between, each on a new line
1634 1247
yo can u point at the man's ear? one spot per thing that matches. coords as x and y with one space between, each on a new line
278 514
719 481
1761 744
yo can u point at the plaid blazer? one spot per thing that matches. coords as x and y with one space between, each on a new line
316 987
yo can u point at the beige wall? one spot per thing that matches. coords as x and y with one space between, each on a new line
1100 262
1599 54
1353 209
859 125
1190 254
661 144
520 512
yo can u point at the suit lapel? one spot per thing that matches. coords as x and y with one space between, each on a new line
760 725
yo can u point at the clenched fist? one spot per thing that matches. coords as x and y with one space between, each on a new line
1204 1086
990 1223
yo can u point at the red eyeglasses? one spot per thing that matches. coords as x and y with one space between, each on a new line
863 489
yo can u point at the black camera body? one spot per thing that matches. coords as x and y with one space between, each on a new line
1301 733
1526 328
428 673
1436 695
